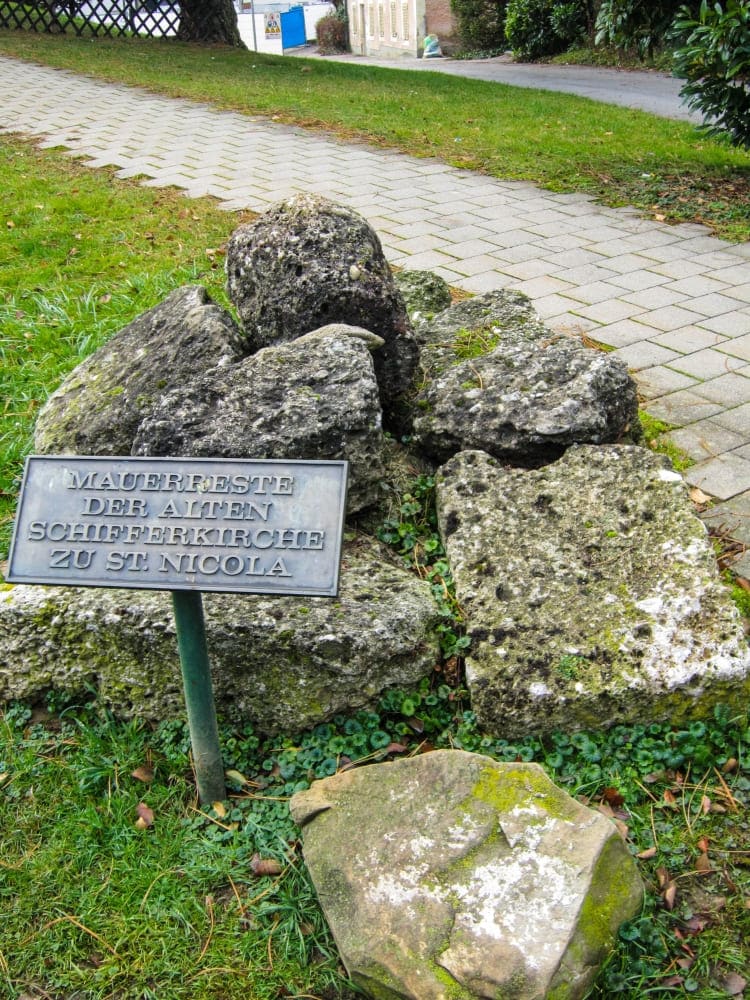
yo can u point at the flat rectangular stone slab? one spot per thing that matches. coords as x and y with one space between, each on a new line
259 527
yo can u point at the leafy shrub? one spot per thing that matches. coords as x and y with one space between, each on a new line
715 60
480 24
332 34
635 25
537 28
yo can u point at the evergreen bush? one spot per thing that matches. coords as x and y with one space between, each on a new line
537 28
641 26
480 24
714 57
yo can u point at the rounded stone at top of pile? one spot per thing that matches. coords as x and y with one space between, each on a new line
308 262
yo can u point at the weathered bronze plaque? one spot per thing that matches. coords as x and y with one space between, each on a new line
258 527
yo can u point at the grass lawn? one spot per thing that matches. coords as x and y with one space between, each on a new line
113 883
559 141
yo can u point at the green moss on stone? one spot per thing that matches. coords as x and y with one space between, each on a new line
523 785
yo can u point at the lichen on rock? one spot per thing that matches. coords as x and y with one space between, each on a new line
451 875
591 592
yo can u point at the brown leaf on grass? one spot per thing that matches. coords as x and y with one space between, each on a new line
669 799
702 845
734 984
731 765
613 798
145 816
265 866
702 864
396 748
696 924
143 773
650 852
670 981
669 895
705 805
662 877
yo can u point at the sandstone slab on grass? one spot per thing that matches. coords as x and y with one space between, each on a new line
451 875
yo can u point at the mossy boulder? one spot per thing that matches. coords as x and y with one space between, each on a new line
450 875
282 663
493 377
591 592
424 293
98 407
314 398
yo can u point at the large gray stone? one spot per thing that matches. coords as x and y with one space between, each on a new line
424 294
282 663
507 385
590 591
314 398
308 262
450 875
97 409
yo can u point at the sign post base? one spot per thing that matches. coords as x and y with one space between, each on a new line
199 698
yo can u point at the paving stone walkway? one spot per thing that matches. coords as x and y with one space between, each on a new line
673 301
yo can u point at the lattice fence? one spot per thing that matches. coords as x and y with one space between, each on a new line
112 18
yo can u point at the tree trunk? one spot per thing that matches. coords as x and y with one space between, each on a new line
209 21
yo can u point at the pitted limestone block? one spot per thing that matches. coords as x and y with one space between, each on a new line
590 591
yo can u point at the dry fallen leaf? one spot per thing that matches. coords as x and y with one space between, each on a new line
613 797
143 773
662 877
669 895
698 496
219 809
734 984
650 852
265 866
236 777
702 863
145 816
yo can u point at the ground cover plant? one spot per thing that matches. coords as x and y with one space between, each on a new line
665 168
114 883
146 895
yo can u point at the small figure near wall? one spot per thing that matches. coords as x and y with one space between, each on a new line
432 48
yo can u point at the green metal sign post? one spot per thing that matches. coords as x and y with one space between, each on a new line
199 698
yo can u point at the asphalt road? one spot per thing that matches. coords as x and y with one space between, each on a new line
657 93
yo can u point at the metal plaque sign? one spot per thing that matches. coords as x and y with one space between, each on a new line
257 527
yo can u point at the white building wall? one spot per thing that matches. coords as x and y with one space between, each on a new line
386 27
